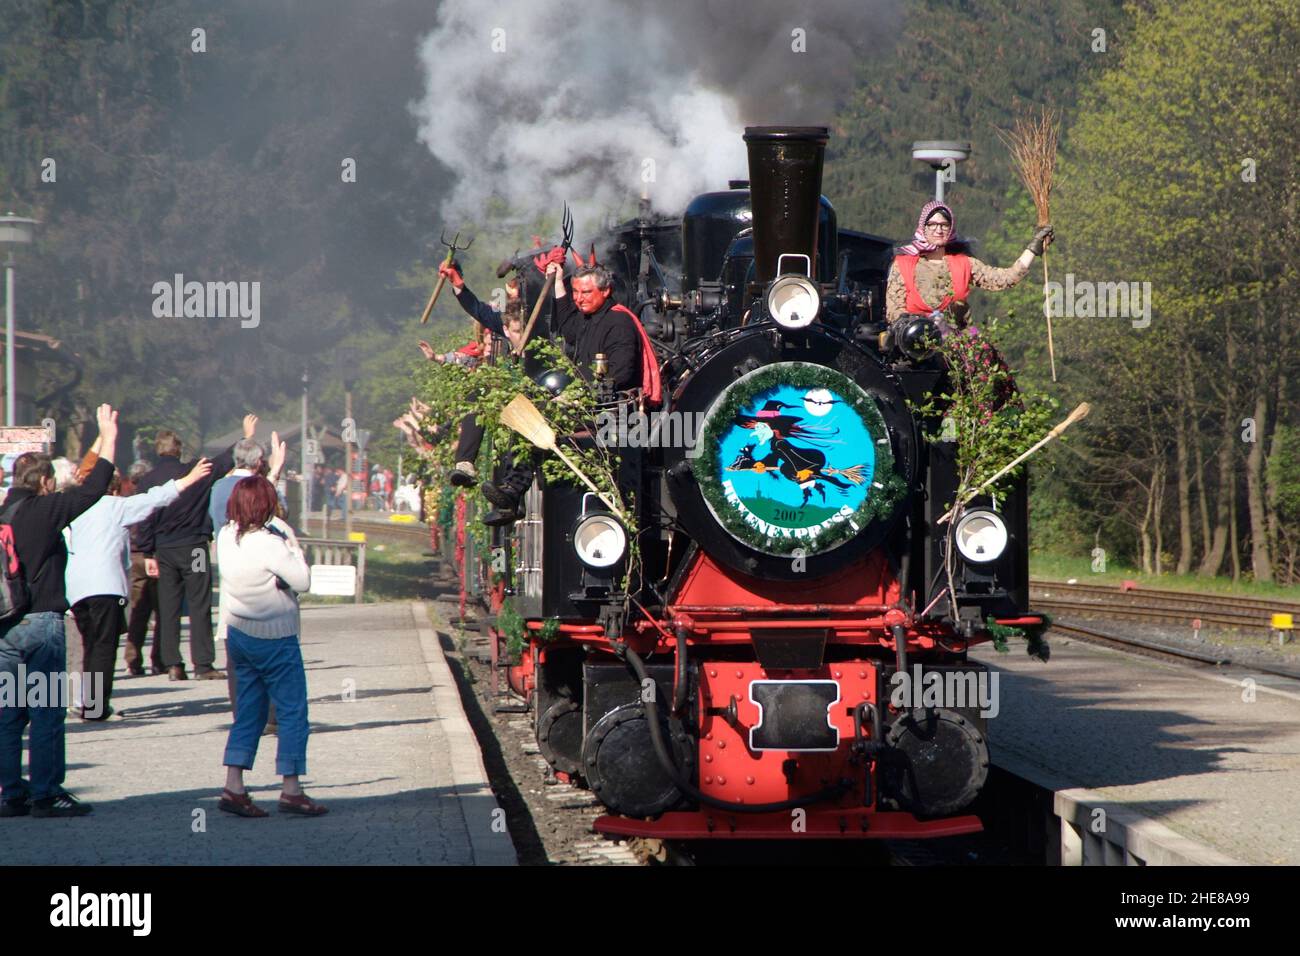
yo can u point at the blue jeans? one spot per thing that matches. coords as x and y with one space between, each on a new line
267 669
37 642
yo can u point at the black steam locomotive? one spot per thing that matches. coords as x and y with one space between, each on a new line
760 674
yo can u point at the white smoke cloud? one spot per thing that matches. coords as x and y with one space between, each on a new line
530 105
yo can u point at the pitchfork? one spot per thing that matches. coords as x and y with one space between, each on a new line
453 247
566 229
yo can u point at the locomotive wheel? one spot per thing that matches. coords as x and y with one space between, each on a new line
620 765
937 763
559 736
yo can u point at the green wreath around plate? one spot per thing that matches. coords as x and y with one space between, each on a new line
796 457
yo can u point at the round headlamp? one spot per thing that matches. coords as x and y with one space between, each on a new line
915 336
554 381
793 302
599 540
981 536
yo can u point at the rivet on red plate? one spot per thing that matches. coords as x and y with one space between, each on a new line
708 780
708 758
722 780
722 745
749 780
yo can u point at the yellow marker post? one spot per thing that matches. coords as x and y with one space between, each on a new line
402 518
1282 625
357 536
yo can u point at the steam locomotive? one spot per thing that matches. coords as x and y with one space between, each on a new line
742 679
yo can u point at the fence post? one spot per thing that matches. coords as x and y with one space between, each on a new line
361 570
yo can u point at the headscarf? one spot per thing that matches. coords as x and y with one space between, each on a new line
920 245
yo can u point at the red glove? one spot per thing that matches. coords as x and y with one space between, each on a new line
451 272
542 261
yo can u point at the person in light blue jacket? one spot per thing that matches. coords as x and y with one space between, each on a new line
96 581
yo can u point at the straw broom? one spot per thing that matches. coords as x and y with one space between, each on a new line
1032 142
522 416
1079 413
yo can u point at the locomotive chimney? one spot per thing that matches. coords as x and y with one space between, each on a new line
785 183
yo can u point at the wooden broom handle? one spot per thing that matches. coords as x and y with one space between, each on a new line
1081 411
532 319
600 494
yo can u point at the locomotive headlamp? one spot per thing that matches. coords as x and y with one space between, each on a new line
600 540
981 536
793 300
554 381
915 336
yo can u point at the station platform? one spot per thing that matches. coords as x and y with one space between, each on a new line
1198 767
391 754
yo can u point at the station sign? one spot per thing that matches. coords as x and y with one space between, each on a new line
18 440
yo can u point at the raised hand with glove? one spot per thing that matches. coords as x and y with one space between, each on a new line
1043 237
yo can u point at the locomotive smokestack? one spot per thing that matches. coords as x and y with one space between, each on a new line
785 183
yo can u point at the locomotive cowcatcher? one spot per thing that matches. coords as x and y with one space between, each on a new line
738 680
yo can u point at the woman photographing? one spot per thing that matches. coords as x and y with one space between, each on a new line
262 572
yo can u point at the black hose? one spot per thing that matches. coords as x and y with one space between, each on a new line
684 785
679 691
900 647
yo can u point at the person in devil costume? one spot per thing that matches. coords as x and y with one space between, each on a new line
591 323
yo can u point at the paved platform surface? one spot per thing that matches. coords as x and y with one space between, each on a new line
1189 749
397 764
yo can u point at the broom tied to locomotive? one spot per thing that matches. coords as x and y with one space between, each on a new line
720 627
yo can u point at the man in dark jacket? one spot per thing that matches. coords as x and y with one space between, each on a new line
36 645
175 545
591 323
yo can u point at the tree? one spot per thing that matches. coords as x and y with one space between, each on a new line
1153 188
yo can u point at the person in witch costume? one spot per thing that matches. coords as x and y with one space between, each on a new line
934 272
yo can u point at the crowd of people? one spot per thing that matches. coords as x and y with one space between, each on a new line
88 540
330 487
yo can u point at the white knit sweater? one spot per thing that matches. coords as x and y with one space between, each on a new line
251 568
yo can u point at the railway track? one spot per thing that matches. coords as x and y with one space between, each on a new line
1179 607
1170 652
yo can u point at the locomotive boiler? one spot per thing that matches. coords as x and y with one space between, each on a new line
765 668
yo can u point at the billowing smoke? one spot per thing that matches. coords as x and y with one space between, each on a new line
530 104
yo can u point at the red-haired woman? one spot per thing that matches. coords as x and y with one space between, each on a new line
262 567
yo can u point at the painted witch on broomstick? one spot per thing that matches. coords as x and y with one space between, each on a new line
806 467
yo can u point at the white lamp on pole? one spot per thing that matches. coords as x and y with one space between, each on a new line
942 155
14 230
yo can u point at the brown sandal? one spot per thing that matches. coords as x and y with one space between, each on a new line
240 804
302 805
